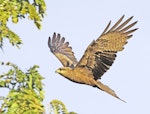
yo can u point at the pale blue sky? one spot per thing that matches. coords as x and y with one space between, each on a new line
80 22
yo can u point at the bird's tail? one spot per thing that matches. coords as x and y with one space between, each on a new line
107 90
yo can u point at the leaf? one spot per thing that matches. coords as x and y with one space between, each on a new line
18 10
23 95
58 107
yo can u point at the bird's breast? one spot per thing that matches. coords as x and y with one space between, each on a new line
81 76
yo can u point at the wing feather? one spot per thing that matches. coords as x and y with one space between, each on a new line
128 27
123 24
117 23
62 51
100 54
107 27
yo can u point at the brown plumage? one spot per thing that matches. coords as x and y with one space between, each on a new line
98 57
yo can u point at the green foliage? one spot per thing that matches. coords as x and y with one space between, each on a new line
25 91
25 88
18 9
57 107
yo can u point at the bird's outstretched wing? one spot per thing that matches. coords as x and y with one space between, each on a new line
100 54
62 50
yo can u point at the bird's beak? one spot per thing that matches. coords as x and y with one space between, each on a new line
57 71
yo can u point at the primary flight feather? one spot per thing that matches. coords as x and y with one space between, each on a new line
98 57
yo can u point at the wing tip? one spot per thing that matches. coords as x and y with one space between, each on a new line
54 34
123 16
49 42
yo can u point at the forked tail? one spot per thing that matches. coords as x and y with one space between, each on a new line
107 90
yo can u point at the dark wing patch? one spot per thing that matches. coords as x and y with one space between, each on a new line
100 54
103 62
62 50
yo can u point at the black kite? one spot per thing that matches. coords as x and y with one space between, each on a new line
98 57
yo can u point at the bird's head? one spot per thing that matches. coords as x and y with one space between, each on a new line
64 71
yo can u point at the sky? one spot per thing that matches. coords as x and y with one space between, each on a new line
80 22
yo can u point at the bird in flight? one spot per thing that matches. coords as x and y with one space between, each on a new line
97 58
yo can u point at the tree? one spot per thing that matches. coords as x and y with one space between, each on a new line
25 87
18 9
25 91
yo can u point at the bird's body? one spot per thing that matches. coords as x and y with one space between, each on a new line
84 76
98 57
78 75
